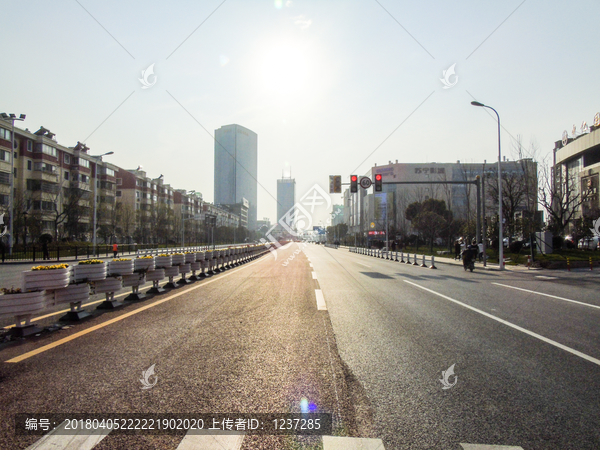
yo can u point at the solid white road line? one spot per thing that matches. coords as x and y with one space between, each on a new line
512 325
193 441
348 443
83 440
320 300
547 295
314 275
489 447
362 264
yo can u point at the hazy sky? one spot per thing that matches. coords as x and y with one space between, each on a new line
330 87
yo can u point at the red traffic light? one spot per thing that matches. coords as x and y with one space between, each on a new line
378 183
353 183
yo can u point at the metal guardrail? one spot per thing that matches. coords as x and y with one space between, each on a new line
332 246
417 260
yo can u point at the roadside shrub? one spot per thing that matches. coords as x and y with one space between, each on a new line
515 247
557 242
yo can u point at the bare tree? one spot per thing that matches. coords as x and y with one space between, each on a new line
560 196
125 219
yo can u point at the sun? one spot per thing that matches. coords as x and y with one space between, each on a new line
284 69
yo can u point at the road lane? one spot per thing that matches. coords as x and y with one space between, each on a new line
253 341
512 389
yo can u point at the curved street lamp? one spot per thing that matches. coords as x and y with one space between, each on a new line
501 240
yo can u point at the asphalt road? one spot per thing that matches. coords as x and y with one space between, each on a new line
250 340
527 365
361 338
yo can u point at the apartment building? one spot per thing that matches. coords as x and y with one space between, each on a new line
58 188
54 186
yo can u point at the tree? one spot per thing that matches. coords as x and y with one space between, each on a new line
70 216
430 219
560 196
125 220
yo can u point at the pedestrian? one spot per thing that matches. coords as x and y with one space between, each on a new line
115 250
45 253
456 249
480 252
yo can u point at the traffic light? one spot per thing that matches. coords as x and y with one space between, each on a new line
378 183
337 184
353 183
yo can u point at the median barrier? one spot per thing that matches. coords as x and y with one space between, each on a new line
397 256
135 281
155 276
170 273
22 306
108 286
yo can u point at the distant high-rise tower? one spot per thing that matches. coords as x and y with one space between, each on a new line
236 168
286 196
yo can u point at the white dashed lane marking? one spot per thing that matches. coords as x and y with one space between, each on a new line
548 295
82 440
314 275
320 300
348 443
204 441
512 325
489 447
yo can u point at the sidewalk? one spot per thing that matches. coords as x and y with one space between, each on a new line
489 266
451 260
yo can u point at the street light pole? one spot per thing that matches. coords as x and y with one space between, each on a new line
99 158
501 239
12 117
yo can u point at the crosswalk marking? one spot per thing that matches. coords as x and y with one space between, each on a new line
348 443
320 300
489 447
83 440
195 441
206 440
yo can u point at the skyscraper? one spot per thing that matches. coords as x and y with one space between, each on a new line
286 196
236 168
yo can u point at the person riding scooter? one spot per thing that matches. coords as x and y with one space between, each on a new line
468 257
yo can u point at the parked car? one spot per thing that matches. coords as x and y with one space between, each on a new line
589 243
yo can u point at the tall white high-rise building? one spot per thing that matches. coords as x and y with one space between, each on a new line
236 168
286 196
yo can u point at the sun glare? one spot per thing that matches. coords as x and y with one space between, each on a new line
284 69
